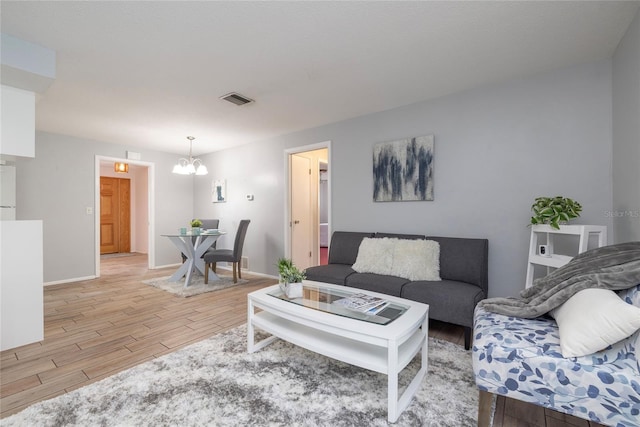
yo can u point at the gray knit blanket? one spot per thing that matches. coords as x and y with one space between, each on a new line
612 267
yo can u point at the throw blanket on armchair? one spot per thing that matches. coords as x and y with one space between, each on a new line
612 267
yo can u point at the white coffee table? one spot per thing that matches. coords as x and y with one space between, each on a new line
372 342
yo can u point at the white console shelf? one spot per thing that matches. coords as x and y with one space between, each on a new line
544 233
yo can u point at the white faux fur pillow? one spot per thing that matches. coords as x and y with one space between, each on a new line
593 319
416 259
375 256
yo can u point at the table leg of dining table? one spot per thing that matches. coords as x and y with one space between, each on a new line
193 251
186 249
192 259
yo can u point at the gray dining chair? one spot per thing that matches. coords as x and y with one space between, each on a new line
207 224
213 256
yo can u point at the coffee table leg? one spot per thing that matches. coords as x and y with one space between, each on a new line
392 381
398 404
250 336
425 345
252 345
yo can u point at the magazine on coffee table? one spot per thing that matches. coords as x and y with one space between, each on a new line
363 303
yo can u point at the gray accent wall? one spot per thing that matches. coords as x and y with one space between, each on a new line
58 185
496 149
626 136
257 169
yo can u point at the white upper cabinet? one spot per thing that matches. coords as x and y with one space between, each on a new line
18 120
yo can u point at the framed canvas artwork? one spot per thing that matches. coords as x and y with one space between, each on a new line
219 191
403 170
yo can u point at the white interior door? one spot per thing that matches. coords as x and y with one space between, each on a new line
301 213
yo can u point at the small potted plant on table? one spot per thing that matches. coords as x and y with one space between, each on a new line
195 226
290 278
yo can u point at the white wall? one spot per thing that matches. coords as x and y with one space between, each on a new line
58 185
496 149
626 136
140 204
256 169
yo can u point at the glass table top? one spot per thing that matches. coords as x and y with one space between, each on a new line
190 234
326 300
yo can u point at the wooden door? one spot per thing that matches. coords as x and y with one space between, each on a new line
115 212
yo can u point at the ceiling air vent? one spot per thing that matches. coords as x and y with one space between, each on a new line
236 98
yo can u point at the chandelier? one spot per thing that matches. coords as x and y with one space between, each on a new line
191 166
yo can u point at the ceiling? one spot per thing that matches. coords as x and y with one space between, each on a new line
147 74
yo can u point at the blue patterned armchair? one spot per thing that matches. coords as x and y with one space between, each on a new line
521 359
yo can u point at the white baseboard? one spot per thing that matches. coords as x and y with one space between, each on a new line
158 267
79 279
74 279
268 276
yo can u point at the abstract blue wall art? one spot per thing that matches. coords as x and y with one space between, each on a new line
403 170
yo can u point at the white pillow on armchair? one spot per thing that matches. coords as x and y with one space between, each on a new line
593 319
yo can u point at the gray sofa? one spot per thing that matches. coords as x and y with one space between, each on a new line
463 270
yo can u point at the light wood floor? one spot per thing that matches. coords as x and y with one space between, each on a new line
96 328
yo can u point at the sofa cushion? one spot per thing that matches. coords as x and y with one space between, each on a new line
449 300
344 247
375 256
332 273
593 319
416 259
389 285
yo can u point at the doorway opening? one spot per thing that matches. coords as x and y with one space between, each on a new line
308 196
126 228
323 206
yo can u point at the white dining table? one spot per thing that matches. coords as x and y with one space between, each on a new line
193 249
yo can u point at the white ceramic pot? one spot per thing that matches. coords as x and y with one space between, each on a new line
292 290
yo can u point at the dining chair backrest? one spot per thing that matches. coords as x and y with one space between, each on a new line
209 224
240 235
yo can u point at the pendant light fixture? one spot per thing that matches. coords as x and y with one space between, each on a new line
191 166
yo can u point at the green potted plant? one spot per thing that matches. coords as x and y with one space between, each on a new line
554 211
290 278
195 226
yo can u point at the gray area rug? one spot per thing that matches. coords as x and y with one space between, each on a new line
216 383
196 286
